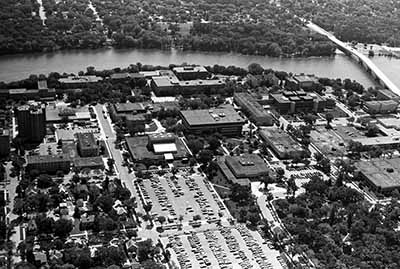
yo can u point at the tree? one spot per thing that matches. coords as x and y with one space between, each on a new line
110 163
214 143
105 202
291 186
44 181
205 156
255 69
372 130
329 117
62 227
161 219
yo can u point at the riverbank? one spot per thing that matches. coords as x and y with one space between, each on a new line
20 66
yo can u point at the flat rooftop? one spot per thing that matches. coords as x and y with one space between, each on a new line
47 158
212 116
128 107
280 139
328 142
384 173
247 165
80 79
137 146
189 69
86 140
378 141
88 161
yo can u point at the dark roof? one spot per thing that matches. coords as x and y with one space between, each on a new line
47 158
86 140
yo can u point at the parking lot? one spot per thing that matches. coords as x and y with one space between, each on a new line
185 197
223 247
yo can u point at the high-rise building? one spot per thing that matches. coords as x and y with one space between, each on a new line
4 142
31 121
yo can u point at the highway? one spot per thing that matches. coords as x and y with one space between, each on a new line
374 69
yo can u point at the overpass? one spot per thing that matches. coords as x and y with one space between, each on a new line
369 66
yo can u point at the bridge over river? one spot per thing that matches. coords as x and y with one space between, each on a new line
371 68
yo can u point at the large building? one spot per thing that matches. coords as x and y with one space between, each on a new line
156 148
290 102
283 145
4 142
49 163
301 81
119 111
78 81
253 109
381 107
217 120
191 72
31 121
383 175
87 145
242 169
386 94
171 86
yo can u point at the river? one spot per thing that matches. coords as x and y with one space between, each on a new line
16 67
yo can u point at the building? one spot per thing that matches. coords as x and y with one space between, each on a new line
217 120
381 107
56 114
31 121
89 163
386 94
290 102
265 79
136 123
301 81
282 144
386 142
253 109
382 175
4 142
78 81
49 163
156 149
119 111
229 176
191 72
87 145
242 169
171 85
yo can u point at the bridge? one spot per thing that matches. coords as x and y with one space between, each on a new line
371 68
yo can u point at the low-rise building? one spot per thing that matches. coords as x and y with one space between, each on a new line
217 120
191 72
49 163
301 81
381 107
382 175
290 102
253 109
87 145
171 86
386 94
89 163
78 81
283 145
156 148
242 169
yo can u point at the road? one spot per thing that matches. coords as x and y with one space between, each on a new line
367 61
109 136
